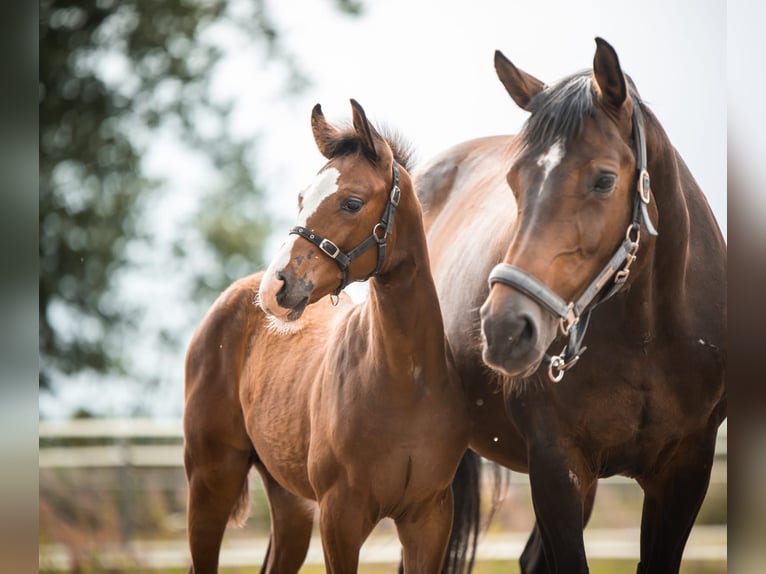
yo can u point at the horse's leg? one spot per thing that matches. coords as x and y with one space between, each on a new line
672 499
532 560
344 525
292 518
424 533
555 481
218 490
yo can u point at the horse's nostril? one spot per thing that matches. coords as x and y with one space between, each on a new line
282 293
515 334
528 331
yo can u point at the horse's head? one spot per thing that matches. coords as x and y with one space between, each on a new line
575 185
344 219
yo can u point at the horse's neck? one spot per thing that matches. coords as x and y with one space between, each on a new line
668 265
404 313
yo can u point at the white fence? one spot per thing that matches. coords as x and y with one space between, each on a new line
121 434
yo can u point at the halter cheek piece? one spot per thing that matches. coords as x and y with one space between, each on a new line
574 316
380 233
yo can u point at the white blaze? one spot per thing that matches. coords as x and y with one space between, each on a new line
550 159
323 186
282 258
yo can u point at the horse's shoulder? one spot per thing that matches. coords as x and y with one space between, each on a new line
436 179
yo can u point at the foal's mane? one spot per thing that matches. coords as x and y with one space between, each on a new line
559 111
348 143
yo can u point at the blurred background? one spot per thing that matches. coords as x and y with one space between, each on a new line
174 138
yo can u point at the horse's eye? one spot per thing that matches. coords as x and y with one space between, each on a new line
604 183
352 204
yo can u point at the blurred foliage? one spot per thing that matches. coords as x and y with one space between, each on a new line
113 74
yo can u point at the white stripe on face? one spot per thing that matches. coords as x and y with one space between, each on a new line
282 258
323 186
550 159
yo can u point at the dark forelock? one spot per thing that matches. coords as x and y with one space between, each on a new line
559 112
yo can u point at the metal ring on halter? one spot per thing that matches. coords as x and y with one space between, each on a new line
631 228
379 239
560 365
334 299
556 363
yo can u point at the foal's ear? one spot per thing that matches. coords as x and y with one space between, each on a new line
521 86
325 135
370 138
608 75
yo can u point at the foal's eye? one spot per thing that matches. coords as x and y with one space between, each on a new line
604 183
352 204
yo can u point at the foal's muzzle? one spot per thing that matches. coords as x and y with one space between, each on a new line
285 295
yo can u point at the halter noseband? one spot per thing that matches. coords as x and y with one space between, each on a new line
379 235
574 316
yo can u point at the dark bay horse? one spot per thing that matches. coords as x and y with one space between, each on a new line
355 407
549 239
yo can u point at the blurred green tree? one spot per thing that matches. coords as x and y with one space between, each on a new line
112 74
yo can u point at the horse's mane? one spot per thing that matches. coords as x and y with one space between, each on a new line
348 143
560 110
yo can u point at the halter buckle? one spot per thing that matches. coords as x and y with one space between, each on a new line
396 195
329 248
644 186
566 323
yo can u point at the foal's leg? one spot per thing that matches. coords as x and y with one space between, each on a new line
344 523
672 500
217 477
532 560
292 518
424 533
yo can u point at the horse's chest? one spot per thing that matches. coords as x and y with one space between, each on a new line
400 448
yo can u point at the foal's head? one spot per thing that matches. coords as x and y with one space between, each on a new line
574 182
345 219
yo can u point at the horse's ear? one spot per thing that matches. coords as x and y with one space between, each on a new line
325 135
370 138
608 74
521 86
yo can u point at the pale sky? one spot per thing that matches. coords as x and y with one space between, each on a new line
426 68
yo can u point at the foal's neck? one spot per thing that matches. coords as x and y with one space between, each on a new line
403 306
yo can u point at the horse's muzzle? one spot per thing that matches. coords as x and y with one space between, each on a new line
515 332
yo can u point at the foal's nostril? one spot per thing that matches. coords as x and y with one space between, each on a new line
282 293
